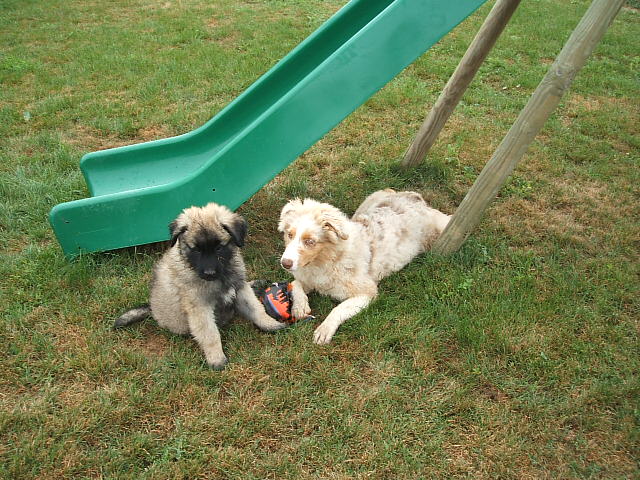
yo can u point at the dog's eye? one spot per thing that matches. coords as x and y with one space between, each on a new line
309 242
290 235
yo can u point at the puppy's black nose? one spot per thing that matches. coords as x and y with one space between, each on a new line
286 263
208 274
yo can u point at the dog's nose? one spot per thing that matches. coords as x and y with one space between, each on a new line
210 272
286 263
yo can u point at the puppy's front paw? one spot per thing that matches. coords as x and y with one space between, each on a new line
268 324
324 333
218 363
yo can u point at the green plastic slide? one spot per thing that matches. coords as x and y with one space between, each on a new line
138 189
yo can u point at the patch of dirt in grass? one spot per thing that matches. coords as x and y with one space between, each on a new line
374 380
242 393
589 104
578 211
228 41
492 452
152 346
526 219
217 22
599 446
592 203
75 394
485 456
460 453
222 22
608 449
492 392
478 151
72 462
153 132
582 107
425 361
91 139
66 334
36 315
189 401
576 102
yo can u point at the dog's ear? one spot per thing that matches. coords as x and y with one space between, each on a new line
286 212
177 228
332 222
336 228
237 228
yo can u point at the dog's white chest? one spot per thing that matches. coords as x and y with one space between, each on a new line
325 282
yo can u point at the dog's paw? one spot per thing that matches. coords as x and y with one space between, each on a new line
324 333
300 310
268 324
218 363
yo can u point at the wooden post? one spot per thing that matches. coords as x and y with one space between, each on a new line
460 80
546 97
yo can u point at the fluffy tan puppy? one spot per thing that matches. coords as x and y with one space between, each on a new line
199 284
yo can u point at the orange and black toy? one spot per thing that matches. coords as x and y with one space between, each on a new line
276 298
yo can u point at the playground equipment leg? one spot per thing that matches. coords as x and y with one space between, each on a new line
544 100
456 86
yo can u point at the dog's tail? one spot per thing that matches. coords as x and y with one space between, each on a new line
134 315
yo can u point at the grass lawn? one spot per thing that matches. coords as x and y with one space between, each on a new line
517 357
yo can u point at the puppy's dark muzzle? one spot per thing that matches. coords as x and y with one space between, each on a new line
208 275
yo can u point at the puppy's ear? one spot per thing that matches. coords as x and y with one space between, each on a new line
336 224
237 228
286 213
177 228
331 226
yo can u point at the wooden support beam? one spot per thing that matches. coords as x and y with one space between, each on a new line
456 86
544 100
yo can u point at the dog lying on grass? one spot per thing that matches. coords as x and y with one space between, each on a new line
199 283
345 259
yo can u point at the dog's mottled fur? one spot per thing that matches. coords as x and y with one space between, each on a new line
199 283
345 259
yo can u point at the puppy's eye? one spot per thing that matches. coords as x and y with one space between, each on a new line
290 235
309 242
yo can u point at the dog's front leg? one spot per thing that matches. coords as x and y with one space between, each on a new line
300 308
344 311
202 326
249 307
